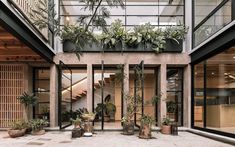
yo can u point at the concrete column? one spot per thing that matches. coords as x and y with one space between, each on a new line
89 87
163 89
125 86
187 97
53 95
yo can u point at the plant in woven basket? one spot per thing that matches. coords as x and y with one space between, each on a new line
38 126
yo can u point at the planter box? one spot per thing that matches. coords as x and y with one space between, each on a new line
68 46
16 133
173 46
170 46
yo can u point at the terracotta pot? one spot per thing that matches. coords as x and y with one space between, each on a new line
128 128
16 133
106 118
38 132
166 129
145 131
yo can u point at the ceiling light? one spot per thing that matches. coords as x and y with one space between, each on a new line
233 57
67 18
212 73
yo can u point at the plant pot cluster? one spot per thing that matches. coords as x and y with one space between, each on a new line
83 126
20 128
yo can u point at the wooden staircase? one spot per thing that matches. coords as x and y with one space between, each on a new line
97 85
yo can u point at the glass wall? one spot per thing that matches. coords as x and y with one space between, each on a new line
217 94
174 101
135 12
209 17
42 91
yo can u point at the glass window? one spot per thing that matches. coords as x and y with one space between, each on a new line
217 21
203 8
219 73
175 94
42 91
199 95
220 92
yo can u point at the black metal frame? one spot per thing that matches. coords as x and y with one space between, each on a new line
195 27
182 93
34 86
104 67
157 16
61 66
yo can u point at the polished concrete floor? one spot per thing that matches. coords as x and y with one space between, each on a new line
108 139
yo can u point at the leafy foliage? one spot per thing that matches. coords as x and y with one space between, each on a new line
28 99
76 122
108 107
146 119
44 15
166 121
171 106
18 125
176 32
38 124
114 35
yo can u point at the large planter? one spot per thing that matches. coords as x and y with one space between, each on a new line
173 46
145 131
38 132
128 128
77 132
166 129
16 133
106 118
68 46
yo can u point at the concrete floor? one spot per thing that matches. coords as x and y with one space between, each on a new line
108 139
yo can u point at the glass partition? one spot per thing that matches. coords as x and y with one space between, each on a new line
214 93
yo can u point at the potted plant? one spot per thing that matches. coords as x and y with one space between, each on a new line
171 107
174 36
109 109
88 118
166 128
132 108
28 100
37 126
17 129
77 130
145 127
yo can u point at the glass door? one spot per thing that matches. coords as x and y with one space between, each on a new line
65 95
108 96
139 91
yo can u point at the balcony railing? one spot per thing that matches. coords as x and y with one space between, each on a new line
25 7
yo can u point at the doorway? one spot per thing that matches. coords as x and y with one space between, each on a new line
107 100
143 81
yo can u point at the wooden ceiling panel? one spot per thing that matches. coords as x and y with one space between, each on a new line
12 49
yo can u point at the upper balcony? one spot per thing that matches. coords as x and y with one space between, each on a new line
160 14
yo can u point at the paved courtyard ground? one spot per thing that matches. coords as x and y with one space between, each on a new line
108 139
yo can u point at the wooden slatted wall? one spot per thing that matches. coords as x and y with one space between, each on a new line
11 86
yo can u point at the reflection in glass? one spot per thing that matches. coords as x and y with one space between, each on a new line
198 95
220 92
175 94
217 21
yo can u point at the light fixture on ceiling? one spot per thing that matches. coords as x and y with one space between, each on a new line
67 18
212 73
233 57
